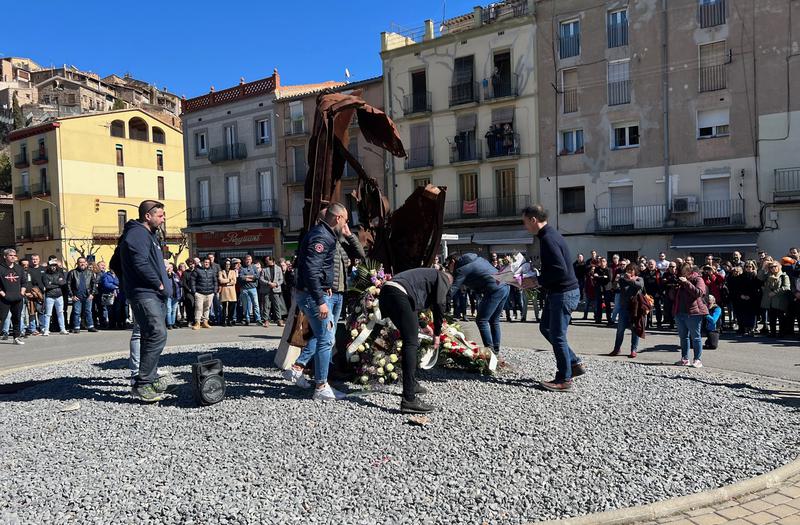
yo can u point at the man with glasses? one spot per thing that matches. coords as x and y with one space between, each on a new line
12 290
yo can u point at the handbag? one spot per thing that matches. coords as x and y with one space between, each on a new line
301 330
107 299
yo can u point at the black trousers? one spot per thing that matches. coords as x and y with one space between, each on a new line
396 306
188 304
15 307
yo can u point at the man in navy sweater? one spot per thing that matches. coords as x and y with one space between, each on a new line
558 281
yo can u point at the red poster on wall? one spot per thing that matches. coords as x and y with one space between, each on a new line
235 239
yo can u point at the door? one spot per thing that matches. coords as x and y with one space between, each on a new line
233 195
26 181
502 85
716 205
230 140
203 200
46 221
267 189
300 164
621 213
419 155
506 193
462 90
419 97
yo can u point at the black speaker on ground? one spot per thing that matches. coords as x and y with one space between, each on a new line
208 380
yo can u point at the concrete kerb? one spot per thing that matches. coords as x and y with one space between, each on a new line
662 509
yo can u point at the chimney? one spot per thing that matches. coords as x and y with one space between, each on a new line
277 78
429 34
477 16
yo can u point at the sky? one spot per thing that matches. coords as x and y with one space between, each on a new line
188 46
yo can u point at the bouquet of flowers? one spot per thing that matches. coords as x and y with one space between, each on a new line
519 273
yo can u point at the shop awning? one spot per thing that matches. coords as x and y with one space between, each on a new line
728 241
516 236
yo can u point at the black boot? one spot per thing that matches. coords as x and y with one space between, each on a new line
417 406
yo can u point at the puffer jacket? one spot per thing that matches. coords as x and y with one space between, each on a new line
53 283
776 292
204 281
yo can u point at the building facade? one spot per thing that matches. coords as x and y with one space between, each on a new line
654 124
465 102
77 180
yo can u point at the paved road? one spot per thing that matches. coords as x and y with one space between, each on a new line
764 357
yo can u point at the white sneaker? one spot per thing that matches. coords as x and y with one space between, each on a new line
18 341
45 334
697 363
63 332
296 377
327 393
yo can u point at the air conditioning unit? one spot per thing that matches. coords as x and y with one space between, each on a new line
686 204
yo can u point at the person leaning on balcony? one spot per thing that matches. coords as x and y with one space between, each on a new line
204 285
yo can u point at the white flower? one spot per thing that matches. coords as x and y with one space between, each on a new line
381 380
382 362
379 371
389 367
371 317
361 348
393 358
372 290
399 344
354 358
364 380
373 272
353 333
393 375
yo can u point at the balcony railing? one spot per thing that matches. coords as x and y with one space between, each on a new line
462 150
502 145
418 102
40 189
707 214
228 152
570 100
710 14
420 157
21 160
501 10
501 86
617 35
106 233
22 192
713 77
787 184
229 212
486 208
569 46
41 233
464 93
295 126
619 92
24 234
40 157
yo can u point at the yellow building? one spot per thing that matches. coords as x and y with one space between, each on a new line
77 180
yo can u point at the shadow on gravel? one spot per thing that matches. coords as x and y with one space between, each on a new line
231 356
661 348
785 398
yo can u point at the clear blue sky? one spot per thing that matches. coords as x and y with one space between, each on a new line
191 45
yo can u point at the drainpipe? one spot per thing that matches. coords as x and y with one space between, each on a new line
665 102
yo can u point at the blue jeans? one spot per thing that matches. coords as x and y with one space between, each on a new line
558 308
172 310
623 323
150 314
617 307
488 319
49 303
135 349
689 332
337 300
250 296
323 330
82 307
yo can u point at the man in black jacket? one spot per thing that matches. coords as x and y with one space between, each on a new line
204 283
559 282
12 290
82 286
53 280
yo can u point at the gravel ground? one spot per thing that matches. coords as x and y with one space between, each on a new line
498 450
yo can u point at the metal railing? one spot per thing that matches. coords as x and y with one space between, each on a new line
502 144
707 214
787 184
464 150
419 157
713 77
486 208
619 92
570 100
22 192
569 46
502 10
617 35
464 93
40 189
228 152
106 232
40 157
501 86
710 14
24 234
39 233
419 102
232 211
295 126
21 160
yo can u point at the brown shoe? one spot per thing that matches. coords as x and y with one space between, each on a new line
578 370
196 326
205 324
552 386
281 323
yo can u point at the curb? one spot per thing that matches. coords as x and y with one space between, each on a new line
662 509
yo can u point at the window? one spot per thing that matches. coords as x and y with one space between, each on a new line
569 39
298 169
419 96
263 132
422 183
621 212
120 184
46 221
204 198
571 142
71 98
503 81
468 183
625 136
506 184
617 28
419 155
122 218
27 217
200 144
573 200
711 13
159 137
463 89
233 195
569 90
159 160
296 124
43 179
619 82
26 181
267 191
352 148
717 208
120 157
160 183
713 73
713 123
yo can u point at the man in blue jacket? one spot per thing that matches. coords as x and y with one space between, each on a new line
559 282
144 279
314 296
476 273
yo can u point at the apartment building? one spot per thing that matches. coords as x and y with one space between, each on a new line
655 120
77 180
464 98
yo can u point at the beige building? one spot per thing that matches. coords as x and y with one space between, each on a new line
464 98
656 121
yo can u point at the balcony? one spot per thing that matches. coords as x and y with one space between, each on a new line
294 126
787 185
24 234
724 214
40 157
619 92
503 10
22 192
106 233
486 208
501 144
464 150
41 233
713 78
464 93
569 46
420 157
417 103
711 13
21 160
227 153
501 86
253 209
40 189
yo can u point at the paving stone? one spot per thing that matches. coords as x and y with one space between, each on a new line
790 491
709 519
790 520
761 518
699 512
734 512
777 499
757 505
782 511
